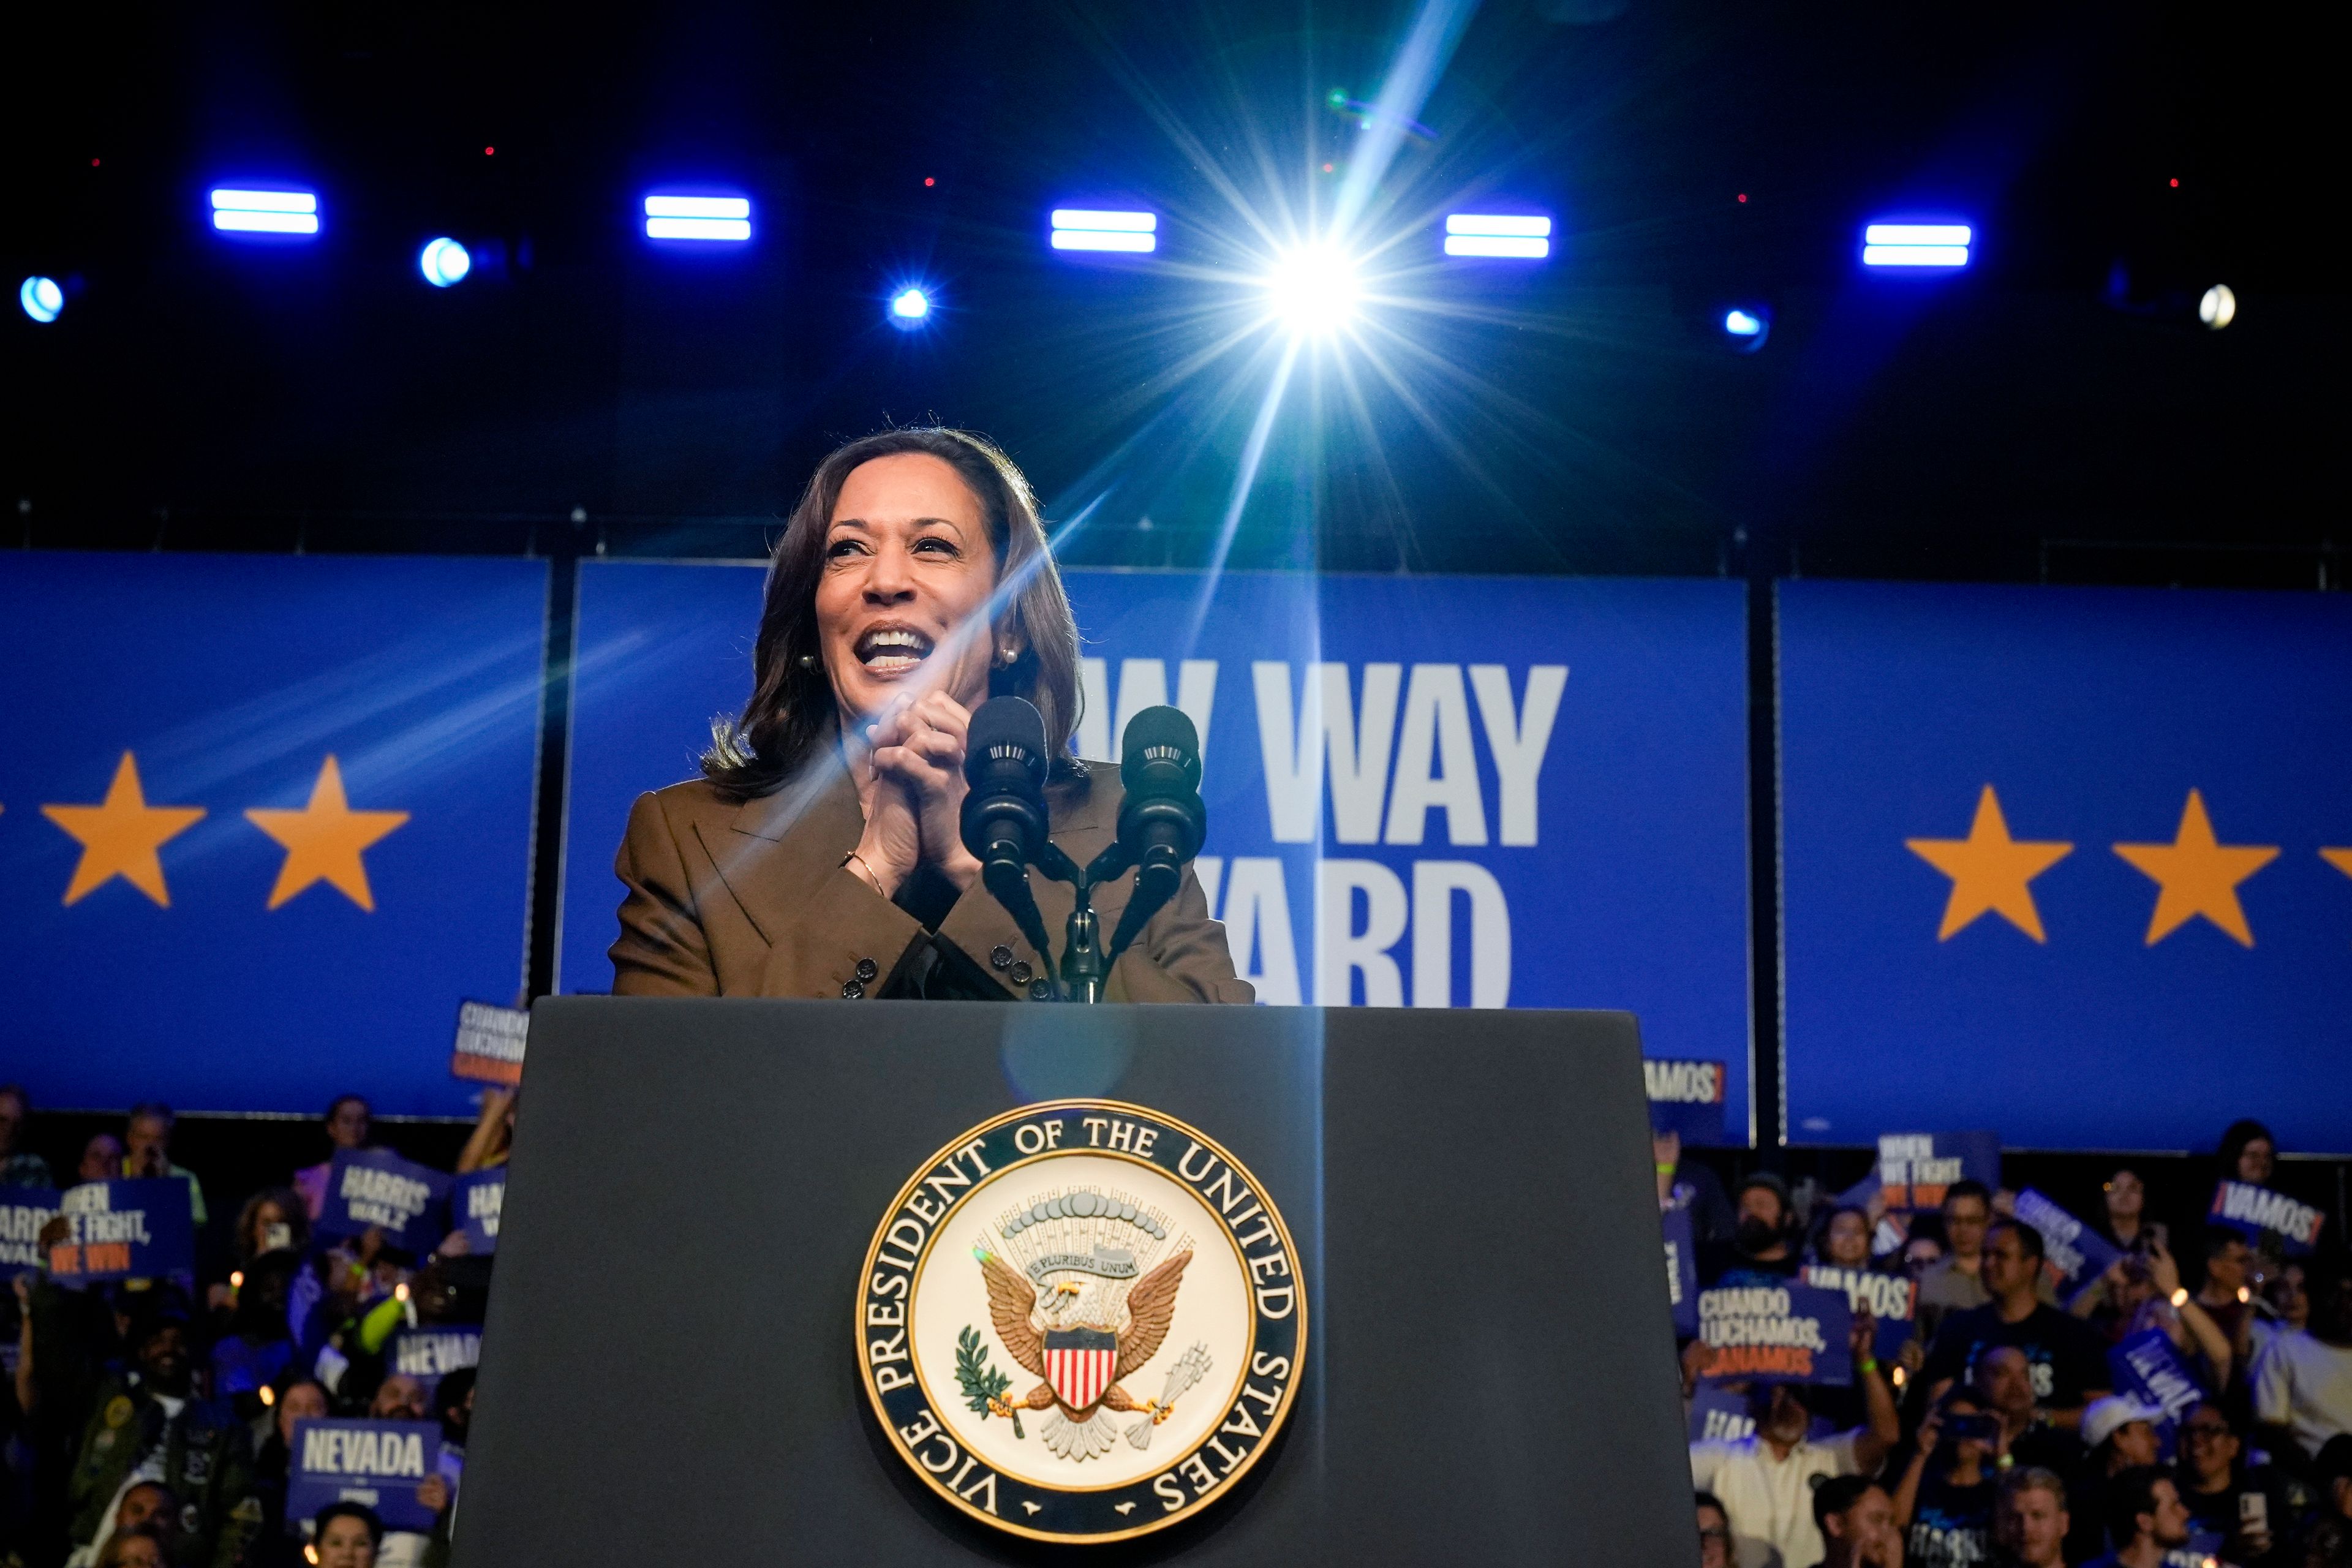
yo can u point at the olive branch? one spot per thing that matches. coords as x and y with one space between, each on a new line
982 1383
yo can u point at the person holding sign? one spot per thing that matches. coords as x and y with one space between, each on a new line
1766 1480
820 853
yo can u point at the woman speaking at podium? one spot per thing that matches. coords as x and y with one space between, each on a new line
820 853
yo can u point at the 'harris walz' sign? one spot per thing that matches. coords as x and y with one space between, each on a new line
22 1211
1776 1333
378 1463
124 1230
2258 1212
375 1188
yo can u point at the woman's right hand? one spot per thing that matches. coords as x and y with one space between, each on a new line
892 845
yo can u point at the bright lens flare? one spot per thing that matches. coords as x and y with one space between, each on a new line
1313 290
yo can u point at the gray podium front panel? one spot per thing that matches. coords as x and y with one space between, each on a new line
668 1377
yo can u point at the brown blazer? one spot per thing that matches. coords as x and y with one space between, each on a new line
750 899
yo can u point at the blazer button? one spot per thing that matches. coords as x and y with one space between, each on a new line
1039 991
853 989
1019 973
1000 956
867 969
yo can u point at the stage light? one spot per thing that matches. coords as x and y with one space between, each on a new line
672 215
42 299
1944 245
265 212
443 262
1313 290
1088 228
1745 328
910 308
2217 309
1515 236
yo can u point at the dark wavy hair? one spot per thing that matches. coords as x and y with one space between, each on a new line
790 717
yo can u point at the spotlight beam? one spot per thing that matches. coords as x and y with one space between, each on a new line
1411 78
1244 480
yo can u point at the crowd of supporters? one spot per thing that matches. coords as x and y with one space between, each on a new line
1997 1433
151 1424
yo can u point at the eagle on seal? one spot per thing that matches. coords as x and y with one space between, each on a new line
1029 1321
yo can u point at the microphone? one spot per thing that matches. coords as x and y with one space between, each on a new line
1004 819
1161 820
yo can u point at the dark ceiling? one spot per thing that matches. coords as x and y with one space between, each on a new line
2055 411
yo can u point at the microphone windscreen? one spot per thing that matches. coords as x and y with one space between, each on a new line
1005 733
1160 753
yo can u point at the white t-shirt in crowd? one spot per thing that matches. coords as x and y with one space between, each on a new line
1770 1500
2303 1385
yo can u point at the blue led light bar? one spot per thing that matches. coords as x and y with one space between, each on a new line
1515 237
1917 245
726 219
1091 228
265 212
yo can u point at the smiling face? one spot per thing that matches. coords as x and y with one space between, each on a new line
1848 1239
901 602
344 1543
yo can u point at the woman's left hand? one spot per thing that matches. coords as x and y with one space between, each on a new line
922 745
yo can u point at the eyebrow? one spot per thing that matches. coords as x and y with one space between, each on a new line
916 522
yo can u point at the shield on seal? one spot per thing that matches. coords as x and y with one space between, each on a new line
1078 1365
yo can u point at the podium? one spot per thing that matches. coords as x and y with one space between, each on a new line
670 1371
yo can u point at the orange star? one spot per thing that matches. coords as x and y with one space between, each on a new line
323 840
2198 875
1990 871
120 836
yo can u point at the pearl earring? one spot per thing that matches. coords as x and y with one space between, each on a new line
808 661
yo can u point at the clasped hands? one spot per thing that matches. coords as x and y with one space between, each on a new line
910 784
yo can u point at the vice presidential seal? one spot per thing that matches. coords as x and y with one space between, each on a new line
1082 1320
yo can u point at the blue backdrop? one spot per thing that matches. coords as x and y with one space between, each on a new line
2054 863
1549 772
264 820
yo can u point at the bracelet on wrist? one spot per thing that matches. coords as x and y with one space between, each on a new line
1866 1365
856 864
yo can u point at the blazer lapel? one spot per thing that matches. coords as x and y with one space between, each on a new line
779 846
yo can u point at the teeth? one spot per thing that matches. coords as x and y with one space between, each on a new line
893 648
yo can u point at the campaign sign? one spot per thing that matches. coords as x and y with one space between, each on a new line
1406 802
489 1043
1914 1168
432 1353
22 1211
1682 1270
376 1187
1775 1333
1687 1098
125 1230
2148 1366
2035 838
301 834
2074 1249
2259 1214
474 1205
1719 1414
1893 1300
378 1463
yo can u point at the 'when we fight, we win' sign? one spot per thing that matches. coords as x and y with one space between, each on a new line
140 1229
